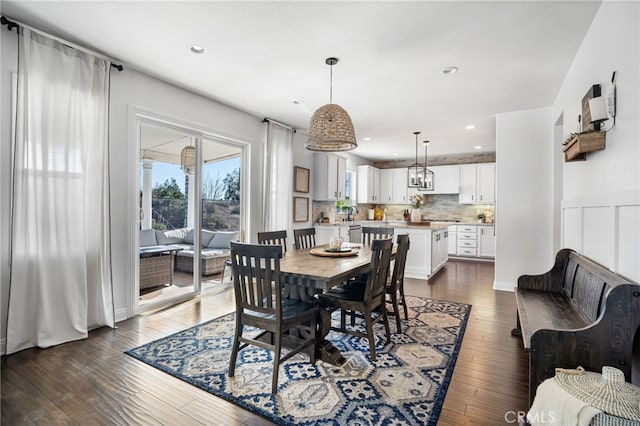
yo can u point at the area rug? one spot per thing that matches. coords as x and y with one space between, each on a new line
405 386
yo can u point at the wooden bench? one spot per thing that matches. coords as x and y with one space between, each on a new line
578 313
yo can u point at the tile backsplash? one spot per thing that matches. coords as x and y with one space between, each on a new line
436 206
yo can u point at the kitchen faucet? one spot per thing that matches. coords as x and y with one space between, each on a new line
350 213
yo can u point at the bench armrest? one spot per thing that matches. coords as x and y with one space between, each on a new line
550 281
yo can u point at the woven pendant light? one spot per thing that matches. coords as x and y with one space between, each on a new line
331 128
188 159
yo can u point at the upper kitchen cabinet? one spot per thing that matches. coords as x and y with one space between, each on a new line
399 186
329 171
368 185
393 186
446 179
386 186
477 183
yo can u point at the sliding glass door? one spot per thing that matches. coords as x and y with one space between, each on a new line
189 210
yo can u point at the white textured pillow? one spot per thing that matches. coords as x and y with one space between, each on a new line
221 239
171 237
148 238
207 236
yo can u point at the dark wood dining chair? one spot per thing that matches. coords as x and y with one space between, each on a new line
354 299
370 233
258 288
273 238
304 238
395 286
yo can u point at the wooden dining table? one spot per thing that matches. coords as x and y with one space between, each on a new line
305 274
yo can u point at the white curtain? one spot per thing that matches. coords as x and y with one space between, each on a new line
60 283
278 203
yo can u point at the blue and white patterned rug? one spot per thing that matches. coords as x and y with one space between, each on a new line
405 386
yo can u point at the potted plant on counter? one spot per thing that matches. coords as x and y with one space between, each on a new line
416 213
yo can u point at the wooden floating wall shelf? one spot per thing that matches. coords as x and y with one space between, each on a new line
579 145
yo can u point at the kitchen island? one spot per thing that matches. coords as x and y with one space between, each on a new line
428 251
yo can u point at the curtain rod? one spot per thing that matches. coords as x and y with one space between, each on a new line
266 119
15 24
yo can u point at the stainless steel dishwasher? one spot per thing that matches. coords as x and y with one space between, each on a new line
355 233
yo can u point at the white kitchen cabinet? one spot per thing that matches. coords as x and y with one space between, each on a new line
439 249
477 183
329 177
486 241
446 179
325 232
452 240
368 185
427 251
467 240
386 186
486 183
399 186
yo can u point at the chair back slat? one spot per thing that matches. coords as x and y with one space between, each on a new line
370 233
256 277
274 238
397 277
379 274
304 238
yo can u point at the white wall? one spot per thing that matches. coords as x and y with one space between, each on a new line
524 202
129 89
133 89
601 196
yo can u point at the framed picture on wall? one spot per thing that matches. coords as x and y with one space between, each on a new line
300 209
300 179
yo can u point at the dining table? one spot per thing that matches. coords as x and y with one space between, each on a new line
305 274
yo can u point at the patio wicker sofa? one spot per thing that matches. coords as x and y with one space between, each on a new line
214 251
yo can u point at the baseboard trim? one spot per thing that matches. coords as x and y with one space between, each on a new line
3 346
504 285
121 314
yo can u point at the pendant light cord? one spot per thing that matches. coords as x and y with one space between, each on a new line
331 84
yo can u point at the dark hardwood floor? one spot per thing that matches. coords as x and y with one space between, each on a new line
92 382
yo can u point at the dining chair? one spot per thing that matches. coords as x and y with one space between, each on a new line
395 286
364 300
273 238
370 233
304 238
258 288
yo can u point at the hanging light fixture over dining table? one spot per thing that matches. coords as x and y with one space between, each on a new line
331 128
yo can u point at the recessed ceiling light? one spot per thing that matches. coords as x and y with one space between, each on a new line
477 147
449 70
298 101
470 127
366 139
198 50
395 154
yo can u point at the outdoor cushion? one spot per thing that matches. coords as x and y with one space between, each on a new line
204 240
222 239
171 237
148 237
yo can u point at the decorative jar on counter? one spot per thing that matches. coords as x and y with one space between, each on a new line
416 215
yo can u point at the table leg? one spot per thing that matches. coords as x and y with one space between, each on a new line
301 290
324 349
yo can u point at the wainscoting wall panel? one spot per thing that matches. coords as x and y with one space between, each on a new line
628 235
605 228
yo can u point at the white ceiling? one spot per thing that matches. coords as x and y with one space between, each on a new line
261 56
